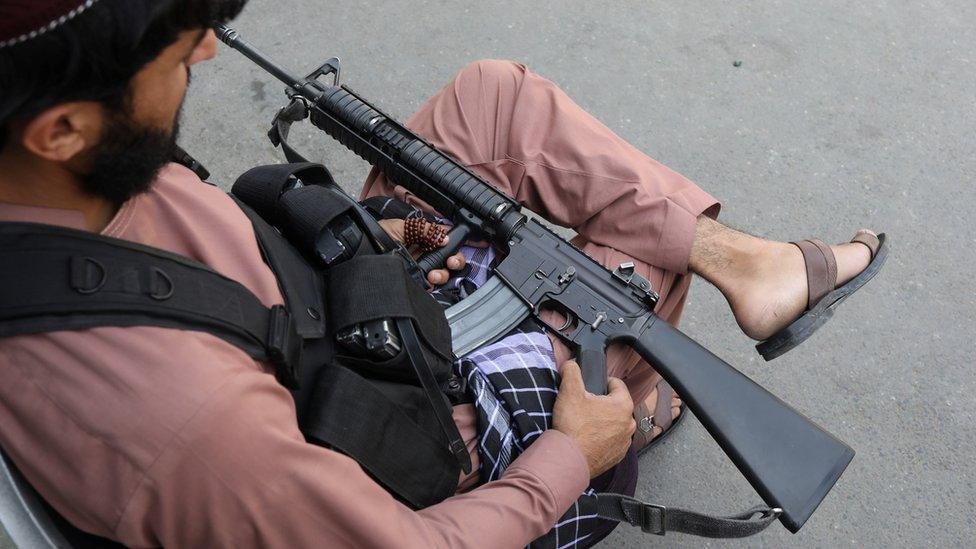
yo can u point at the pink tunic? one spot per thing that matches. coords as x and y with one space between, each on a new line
156 436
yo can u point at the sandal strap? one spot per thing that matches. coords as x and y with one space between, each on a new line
662 411
821 269
868 240
642 437
661 417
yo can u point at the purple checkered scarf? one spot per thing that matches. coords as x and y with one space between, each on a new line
514 383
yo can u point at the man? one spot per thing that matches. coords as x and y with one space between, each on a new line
155 436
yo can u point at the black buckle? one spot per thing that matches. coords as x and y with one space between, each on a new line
652 518
295 111
456 390
284 347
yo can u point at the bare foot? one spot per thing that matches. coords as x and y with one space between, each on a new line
650 403
771 292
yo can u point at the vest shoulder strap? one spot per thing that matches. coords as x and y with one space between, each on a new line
54 278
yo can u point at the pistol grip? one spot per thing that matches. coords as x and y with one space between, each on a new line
437 258
593 364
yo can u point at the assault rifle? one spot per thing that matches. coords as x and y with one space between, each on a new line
790 461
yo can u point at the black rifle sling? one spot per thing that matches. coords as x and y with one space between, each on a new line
657 519
443 411
54 279
278 134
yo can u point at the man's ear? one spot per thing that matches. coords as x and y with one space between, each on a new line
62 131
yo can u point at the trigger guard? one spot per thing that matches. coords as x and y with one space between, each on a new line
537 312
569 322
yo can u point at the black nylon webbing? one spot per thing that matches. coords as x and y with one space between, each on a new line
355 284
440 406
53 278
309 210
356 418
294 112
657 519
373 287
300 283
261 186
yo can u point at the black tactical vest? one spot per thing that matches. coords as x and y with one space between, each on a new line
378 413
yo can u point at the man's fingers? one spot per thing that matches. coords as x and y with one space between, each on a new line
456 262
572 381
440 276
437 276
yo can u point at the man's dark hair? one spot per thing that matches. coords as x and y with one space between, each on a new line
94 56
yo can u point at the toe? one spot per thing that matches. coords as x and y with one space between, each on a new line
852 258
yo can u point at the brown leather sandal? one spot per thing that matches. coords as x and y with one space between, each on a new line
822 294
644 438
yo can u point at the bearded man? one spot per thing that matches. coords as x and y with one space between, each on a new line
155 436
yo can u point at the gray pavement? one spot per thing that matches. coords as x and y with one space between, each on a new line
841 115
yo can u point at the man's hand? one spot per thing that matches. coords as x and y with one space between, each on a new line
600 425
394 228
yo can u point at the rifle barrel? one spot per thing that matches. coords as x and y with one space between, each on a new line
230 37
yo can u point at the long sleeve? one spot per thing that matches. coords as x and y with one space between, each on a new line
239 474
157 436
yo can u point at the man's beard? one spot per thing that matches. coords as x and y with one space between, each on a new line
128 158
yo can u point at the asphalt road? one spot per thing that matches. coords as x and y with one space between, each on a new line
841 115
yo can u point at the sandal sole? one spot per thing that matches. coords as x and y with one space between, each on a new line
809 322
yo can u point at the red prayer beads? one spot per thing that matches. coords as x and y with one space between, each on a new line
422 234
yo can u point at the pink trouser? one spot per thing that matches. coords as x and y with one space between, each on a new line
523 134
